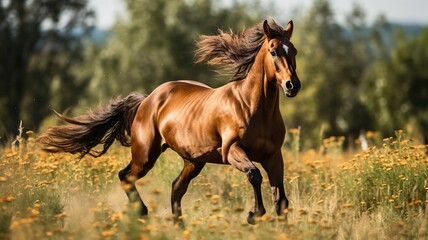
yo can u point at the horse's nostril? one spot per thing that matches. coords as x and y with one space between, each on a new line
289 85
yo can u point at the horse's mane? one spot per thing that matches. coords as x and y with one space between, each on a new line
234 52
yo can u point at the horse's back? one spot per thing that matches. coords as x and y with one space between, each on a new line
182 113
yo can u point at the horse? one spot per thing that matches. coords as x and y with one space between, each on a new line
238 123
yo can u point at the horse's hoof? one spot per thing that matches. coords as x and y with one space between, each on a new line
144 212
179 223
251 219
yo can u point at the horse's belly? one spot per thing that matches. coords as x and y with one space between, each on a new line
210 157
194 147
199 154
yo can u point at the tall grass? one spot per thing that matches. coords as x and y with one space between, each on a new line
377 194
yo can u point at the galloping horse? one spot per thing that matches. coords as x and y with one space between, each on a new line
237 124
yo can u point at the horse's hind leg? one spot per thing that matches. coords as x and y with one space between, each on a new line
128 184
145 151
180 184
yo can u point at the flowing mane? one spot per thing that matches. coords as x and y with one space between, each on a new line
233 52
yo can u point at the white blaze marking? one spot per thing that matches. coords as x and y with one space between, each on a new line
285 47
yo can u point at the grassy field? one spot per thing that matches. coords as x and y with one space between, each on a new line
377 194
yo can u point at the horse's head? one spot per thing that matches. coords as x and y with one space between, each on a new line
280 59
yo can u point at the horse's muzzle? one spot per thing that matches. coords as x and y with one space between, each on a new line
291 87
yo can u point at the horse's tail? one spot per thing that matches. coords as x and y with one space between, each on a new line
103 126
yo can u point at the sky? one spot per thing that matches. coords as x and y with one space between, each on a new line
402 11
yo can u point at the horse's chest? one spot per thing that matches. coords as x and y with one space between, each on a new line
263 142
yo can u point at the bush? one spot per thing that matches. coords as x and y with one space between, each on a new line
394 176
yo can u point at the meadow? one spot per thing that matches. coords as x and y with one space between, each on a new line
334 193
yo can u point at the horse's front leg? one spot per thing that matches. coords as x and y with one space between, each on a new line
239 159
275 170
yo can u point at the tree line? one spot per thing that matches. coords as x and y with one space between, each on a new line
354 77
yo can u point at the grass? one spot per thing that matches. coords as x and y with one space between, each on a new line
377 194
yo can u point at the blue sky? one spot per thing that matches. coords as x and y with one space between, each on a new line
405 11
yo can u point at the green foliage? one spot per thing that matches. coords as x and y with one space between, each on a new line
330 65
157 44
39 49
354 77
394 83
394 176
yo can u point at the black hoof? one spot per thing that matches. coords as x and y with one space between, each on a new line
143 210
251 218
143 213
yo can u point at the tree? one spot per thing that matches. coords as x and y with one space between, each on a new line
414 55
395 84
157 44
40 41
331 61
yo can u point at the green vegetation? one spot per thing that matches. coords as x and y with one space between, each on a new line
378 194
40 56
392 175
354 76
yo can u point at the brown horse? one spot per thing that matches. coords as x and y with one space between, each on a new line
237 124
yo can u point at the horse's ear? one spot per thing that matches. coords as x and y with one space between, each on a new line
269 32
289 29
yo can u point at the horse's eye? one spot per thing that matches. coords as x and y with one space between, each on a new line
273 53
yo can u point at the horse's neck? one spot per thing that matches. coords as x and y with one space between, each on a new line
259 91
